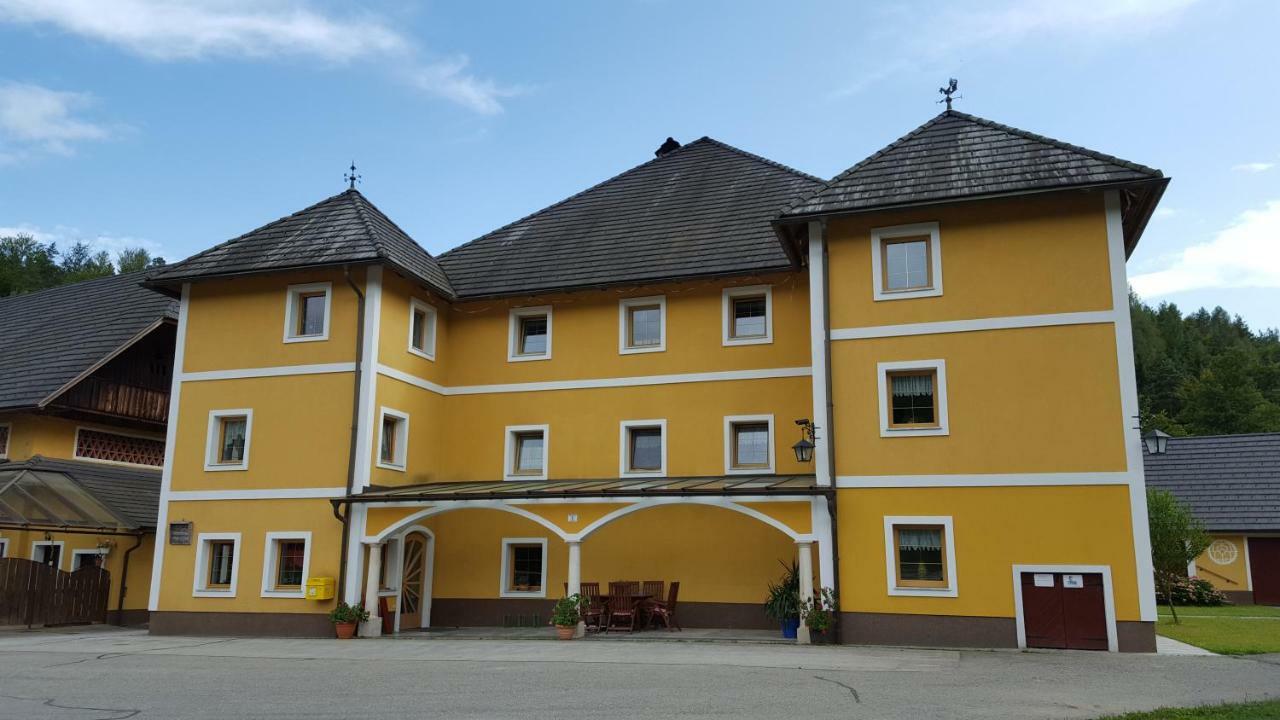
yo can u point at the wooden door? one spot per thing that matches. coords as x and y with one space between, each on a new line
1064 610
1264 569
413 582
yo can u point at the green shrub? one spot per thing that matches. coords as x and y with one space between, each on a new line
1189 591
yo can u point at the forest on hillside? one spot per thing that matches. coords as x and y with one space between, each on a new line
1205 373
26 264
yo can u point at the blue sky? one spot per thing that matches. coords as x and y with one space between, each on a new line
177 125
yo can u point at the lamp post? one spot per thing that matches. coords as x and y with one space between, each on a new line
804 448
1157 442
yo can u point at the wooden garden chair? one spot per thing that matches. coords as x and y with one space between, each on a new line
654 590
622 606
665 610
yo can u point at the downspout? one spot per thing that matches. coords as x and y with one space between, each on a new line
355 424
831 445
124 577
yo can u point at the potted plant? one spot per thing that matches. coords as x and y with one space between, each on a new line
346 617
819 615
566 614
783 604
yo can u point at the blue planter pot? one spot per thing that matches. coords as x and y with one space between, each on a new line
790 628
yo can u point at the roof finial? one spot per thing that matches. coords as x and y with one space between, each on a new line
352 177
948 91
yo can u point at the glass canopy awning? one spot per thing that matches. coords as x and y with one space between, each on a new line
714 486
47 499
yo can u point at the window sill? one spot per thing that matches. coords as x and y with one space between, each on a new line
422 354
213 594
527 358
642 350
523 594
225 468
306 338
390 466
294 594
907 294
522 478
887 432
645 474
762 470
949 592
730 342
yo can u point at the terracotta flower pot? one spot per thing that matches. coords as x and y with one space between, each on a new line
566 632
345 631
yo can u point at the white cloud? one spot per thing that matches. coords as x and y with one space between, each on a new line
1165 212
255 29
1245 254
1253 167
66 236
928 37
37 117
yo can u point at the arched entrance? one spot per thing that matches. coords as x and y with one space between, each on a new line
413 604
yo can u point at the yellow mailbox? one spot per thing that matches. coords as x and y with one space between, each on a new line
320 588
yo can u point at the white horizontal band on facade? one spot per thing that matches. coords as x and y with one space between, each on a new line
270 494
982 480
957 326
593 383
275 371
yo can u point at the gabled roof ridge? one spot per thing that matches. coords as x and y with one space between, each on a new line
574 196
1225 435
1137 167
244 235
759 158
357 198
806 197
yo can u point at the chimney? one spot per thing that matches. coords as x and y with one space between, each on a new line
667 147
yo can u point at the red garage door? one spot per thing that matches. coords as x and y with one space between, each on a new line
1064 610
1264 570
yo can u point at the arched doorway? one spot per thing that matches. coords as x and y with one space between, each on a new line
414 603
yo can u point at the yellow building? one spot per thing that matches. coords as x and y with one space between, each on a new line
665 377
84 390
1232 485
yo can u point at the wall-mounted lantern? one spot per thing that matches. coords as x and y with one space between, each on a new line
1157 442
804 448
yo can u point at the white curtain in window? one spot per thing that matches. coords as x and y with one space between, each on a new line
919 539
907 385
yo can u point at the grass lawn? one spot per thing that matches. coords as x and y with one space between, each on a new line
1265 710
1226 630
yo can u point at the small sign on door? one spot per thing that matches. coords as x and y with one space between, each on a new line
1072 581
1044 579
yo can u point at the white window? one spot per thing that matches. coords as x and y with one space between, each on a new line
906 262
47 552
529 336
920 555
96 557
913 398
643 448
526 456
393 439
524 567
747 315
422 329
306 312
227 446
4 547
748 444
217 565
5 430
286 562
642 325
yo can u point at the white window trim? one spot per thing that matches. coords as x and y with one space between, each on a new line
62 550
891 555
270 557
8 439
429 351
935 256
726 314
92 551
1108 596
623 326
211 463
290 308
513 332
882 371
624 449
729 422
401 459
509 454
199 585
75 447
506 566
4 547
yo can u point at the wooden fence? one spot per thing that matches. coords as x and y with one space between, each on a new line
32 593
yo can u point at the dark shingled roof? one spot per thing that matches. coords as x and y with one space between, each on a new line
959 156
343 229
48 338
703 209
1231 482
131 493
